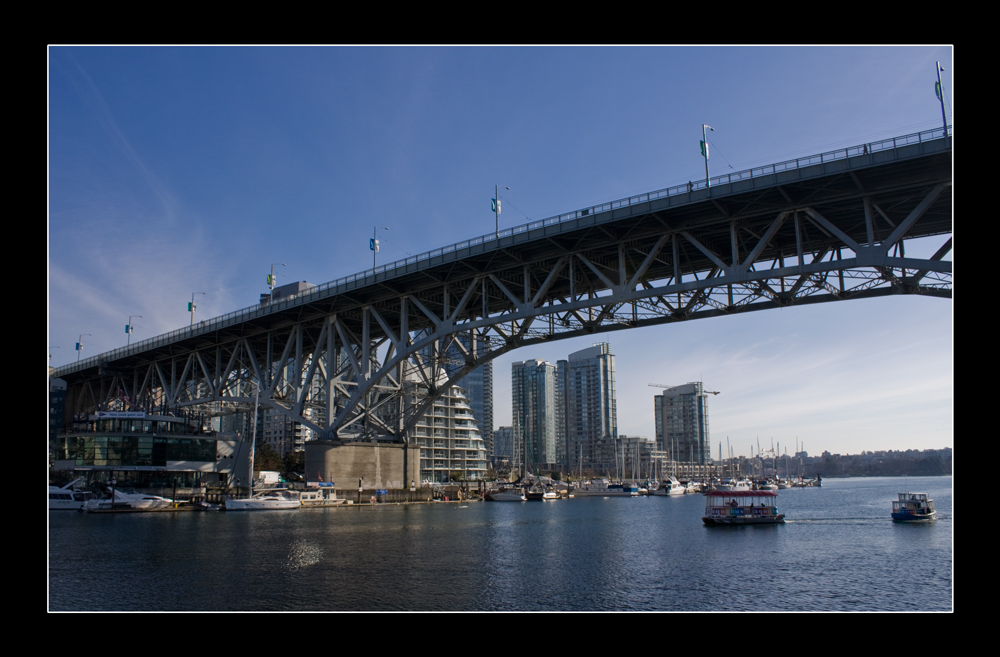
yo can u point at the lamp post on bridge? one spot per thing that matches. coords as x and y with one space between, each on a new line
496 208
271 279
374 243
939 90
79 345
192 307
130 328
704 151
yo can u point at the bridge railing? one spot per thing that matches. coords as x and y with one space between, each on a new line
402 265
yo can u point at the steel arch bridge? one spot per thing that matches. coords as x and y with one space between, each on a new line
367 355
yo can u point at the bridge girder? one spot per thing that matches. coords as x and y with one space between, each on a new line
340 364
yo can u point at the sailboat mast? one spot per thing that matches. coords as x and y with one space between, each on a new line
253 437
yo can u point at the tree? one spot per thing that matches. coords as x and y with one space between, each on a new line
295 462
266 458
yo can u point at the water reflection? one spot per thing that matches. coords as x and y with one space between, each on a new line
838 551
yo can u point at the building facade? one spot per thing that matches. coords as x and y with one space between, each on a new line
57 413
151 450
478 387
682 423
536 432
449 437
589 409
503 449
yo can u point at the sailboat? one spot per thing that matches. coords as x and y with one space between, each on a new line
671 486
265 499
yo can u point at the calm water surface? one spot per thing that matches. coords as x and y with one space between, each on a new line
839 550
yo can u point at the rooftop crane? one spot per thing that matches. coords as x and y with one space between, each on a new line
660 385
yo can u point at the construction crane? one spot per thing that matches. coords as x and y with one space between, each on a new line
660 385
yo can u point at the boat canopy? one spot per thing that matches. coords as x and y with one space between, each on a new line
741 493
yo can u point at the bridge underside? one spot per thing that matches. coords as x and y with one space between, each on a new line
370 362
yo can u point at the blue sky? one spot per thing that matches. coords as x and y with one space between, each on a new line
180 170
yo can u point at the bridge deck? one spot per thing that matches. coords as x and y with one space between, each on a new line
612 236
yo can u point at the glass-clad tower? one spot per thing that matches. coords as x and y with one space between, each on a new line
533 406
587 382
682 423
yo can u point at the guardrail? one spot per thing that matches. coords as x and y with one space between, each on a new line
393 267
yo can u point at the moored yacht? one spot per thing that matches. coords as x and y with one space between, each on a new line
592 488
623 489
670 487
124 499
322 494
68 499
507 494
733 485
266 500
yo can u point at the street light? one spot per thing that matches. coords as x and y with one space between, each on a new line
129 328
704 150
373 245
271 279
496 208
939 90
192 307
79 344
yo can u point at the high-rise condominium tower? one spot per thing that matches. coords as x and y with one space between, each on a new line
682 423
534 405
587 383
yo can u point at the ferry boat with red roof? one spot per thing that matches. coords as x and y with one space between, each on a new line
741 507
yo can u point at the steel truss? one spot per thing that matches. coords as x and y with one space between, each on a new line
371 363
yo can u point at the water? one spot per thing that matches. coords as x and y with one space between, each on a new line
838 550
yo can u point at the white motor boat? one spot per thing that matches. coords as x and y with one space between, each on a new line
67 499
129 499
670 487
265 501
592 488
693 487
322 495
733 485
